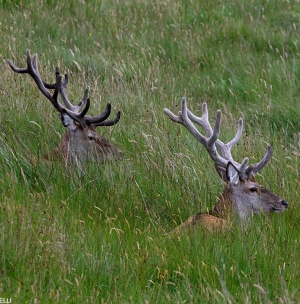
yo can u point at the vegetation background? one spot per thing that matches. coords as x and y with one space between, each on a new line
100 235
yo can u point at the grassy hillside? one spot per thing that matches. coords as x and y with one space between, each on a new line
100 234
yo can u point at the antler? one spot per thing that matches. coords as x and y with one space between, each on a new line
212 142
60 88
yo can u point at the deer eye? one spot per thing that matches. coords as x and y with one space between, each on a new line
253 189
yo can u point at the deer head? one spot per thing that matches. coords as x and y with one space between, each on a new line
243 195
81 141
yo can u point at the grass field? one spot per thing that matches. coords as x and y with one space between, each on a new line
100 234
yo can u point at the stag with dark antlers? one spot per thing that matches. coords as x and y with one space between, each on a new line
81 141
243 195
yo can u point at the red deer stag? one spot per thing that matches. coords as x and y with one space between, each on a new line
243 195
81 141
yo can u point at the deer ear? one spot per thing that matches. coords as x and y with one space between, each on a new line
222 172
232 174
67 121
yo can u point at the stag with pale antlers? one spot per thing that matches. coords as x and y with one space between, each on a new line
243 195
81 141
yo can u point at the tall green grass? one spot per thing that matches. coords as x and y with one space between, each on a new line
99 234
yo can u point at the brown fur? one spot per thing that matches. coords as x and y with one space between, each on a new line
216 219
201 220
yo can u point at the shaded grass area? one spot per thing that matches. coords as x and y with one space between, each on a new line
99 234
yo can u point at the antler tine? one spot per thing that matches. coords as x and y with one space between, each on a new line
245 170
57 74
216 132
213 142
173 117
100 118
85 110
16 69
257 167
183 119
67 102
225 149
83 101
108 122
202 121
237 136
188 124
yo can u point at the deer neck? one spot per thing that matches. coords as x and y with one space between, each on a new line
224 208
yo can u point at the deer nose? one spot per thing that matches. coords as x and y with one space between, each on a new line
284 203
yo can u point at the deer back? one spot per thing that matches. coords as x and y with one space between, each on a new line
201 220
